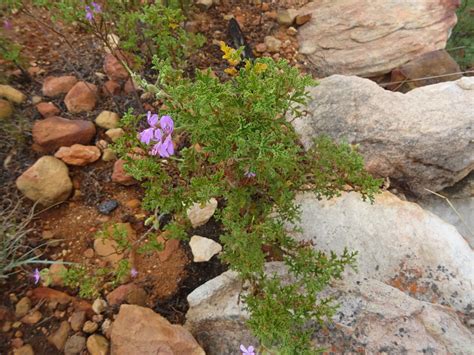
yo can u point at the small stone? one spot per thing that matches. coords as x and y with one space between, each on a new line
119 295
200 215
97 345
47 109
22 307
203 249
261 47
59 337
6 327
113 41
78 154
18 334
302 19
56 272
108 206
111 88
286 17
135 203
137 296
46 182
107 119
204 4
273 44
6 109
291 31
119 175
56 86
12 94
24 350
17 343
170 247
106 328
75 345
108 154
32 318
77 320
36 99
81 98
99 306
114 133
90 327
114 68
108 249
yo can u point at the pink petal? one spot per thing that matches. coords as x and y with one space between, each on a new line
152 119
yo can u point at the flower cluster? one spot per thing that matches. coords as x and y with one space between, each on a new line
160 136
247 351
96 8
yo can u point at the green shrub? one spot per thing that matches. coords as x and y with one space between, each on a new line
461 42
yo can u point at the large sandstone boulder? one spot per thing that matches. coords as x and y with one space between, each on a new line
139 330
373 317
81 98
46 181
368 38
55 132
422 139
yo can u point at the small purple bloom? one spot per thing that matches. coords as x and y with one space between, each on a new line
167 124
247 351
147 135
97 7
156 149
250 174
158 135
89 14
152 119
36 276
7 25
133 272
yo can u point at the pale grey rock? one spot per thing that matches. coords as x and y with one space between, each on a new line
421 139
368 38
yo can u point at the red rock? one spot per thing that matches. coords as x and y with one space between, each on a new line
120 176
55 86
111 88
261 47
119 295
302 19
55 132
155 334
130 87
47 109
170 247
114 69
82 97
78 154
51 295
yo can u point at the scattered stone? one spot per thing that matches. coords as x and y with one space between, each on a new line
36 99
6 109
204 4
120 176
78 154
200 215
291 31
433 65
108 154
56 272
203 249
119 295
90 327
130 86
108 249
89 253
273 44
114 69
106 328
46 182
81 98
108 206
99 306
340 36
56 86
137 296
300 20
75 345
111 88
77 320
356 110
22 307
55 132
24 350
98 345
114 133
32 318
107 120
156 334
286 17
59 337
7 326
113 41
17 343
261 47
12 94
133 204
47 109
170 247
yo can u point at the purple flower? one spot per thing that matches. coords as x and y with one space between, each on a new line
97 7
7 25
247 351
167 124
133 272
89 14
249 174
147 135
152 119
36 276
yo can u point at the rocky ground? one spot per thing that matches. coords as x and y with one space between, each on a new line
414 288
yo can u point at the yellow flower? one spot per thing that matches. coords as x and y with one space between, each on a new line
231 71
260 67
230 54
